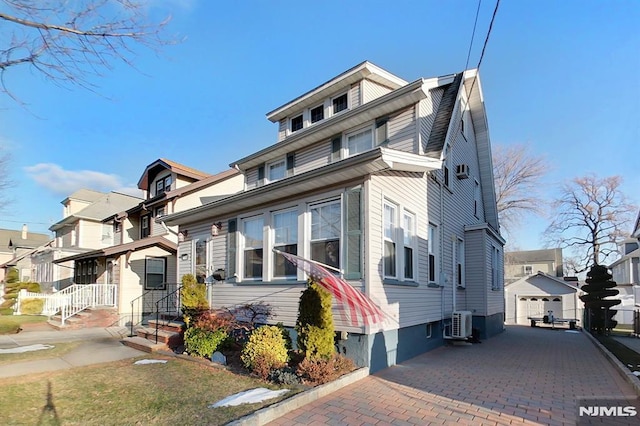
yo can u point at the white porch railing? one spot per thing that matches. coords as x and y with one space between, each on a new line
72 299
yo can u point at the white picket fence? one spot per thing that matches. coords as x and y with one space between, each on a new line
72 299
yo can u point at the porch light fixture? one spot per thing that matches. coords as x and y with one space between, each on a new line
215 228
184 256
182 235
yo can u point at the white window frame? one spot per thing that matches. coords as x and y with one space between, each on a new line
390 235
324 113
345 140
274 244
290 126
446 166
409 241
268 178
331 100
202 240
477 199
433 251
146 272
524 270
245 247
309 240
495 276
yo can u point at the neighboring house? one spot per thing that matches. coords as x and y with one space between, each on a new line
15 250
535 295
141 257
626 274
387 180
82 229
521 264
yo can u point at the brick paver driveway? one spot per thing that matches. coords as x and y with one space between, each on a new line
523 376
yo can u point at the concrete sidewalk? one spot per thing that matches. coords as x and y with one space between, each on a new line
97 345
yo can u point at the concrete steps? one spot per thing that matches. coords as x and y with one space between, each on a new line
93 317
170 334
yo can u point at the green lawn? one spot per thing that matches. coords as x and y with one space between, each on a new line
10 324
121 393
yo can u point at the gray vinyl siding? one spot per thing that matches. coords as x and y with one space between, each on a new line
372 90
185 266
402 131
476 261
406 305
495 298
313 157
282 129
355 98
251 177
428 109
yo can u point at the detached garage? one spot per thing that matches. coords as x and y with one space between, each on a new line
537 294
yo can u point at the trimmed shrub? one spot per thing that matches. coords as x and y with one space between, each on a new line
265 350
320 371
31 306
203 342
284 376
12 276
315 323
193 296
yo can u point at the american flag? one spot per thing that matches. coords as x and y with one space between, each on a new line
359 309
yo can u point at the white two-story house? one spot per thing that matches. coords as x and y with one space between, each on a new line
386 180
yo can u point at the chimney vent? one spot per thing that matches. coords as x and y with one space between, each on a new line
24 231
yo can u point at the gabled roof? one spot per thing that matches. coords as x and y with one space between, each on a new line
533 256
87 195
13 238
15 260
107 205
163 164
544 275
339 83
155 241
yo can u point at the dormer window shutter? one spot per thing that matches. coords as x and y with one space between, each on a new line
382 135
261 175
291 159
336 146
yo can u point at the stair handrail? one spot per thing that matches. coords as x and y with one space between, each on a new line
167 299
139 299
85 296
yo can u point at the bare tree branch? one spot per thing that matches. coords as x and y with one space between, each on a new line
590 217
517 174
73 42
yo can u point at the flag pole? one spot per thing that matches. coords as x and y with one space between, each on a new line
324 265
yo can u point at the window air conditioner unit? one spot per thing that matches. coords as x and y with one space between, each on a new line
461 324
462 171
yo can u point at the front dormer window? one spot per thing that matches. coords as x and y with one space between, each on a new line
339 103
163 185
317 114
296 123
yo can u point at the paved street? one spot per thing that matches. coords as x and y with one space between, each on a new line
523 376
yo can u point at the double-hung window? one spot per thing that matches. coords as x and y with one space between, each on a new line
155 269
276 170
460 269
201 260
339 103
325 233
409 241
297 123
253 231
390 235
433 253
145 226
316 114
163 185
359 141
285 239
495 278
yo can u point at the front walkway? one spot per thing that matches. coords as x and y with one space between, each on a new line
523 376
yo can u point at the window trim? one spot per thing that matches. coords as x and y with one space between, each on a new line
309 237
459 263
243 248
272 242
311 109
413 246
393 239
332 105
163 285
267 177
142 227
345 139
290 127
433 250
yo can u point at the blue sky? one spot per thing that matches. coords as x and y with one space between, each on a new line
560 76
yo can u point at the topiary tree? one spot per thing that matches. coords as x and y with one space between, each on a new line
12 276
599 285
315 323
193 297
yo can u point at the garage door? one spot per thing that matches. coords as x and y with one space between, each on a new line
537 306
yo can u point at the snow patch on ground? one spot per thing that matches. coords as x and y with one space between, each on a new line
22 349
150 361
249 397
